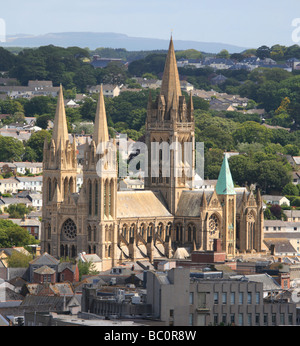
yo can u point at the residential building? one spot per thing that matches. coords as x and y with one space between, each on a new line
9 185
34 184
33 226
148 83
129 184
219 79
282 237
29 167
7 201
292 215
109 90
28 91
36 199
279 200
44 260
91 257
99 62
296 177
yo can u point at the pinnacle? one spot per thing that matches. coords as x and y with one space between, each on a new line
60 128
100 128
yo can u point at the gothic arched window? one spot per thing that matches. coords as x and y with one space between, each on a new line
90 191
49 190
49 230
251 230
89 233
96 198
191 232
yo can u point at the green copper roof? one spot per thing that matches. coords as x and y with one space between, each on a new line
225 184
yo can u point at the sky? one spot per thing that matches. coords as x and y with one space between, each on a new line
251 24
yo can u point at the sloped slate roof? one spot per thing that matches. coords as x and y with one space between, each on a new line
63 265
44 270
132 204
53 302
190 202
268 282
45 259
281 245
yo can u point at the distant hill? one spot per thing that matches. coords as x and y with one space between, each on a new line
95 40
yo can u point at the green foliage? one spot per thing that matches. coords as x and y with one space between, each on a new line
268 171
36 143
153 63
189 54
11 149
268 215
252 132
290 189
14 235
40 105
213 162
17 211
86 268
19 260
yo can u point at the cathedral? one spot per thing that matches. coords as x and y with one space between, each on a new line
170 213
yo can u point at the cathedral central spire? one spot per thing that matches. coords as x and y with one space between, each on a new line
60 128
170 87
100 127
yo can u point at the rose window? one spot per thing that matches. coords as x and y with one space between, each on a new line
213 224
69 229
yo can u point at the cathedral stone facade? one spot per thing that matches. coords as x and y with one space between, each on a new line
144 224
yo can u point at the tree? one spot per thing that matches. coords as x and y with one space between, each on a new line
19 260
86 268
42 120
83 77
213 162
88 109
277 212
189 54
252 132
18 211
36 143
272 175
277 52
243 170
267 95
268 214
290 190
223 54
29 155
40 105
11 107
13 235
263 52
11 149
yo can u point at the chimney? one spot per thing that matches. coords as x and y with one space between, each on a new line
217 247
